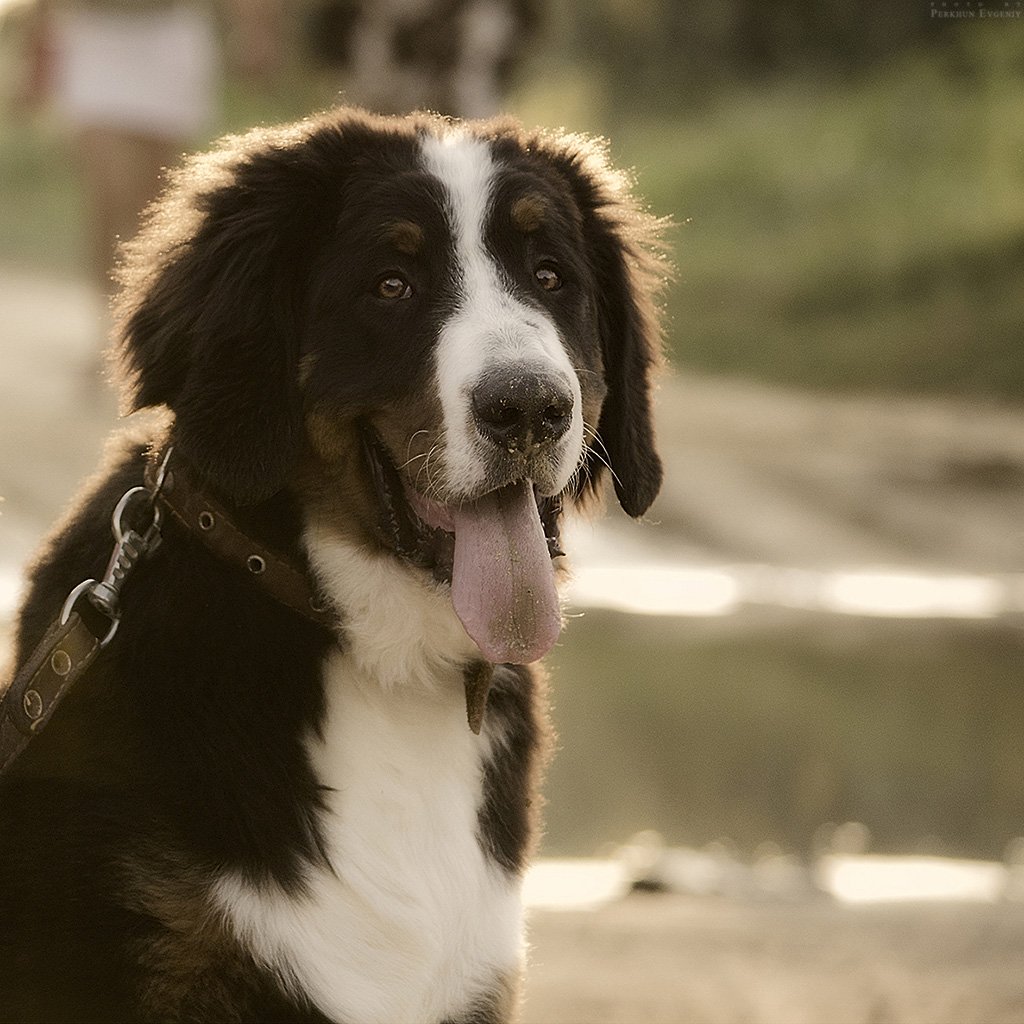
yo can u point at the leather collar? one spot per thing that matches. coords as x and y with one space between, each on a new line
70 645
177 491
211 522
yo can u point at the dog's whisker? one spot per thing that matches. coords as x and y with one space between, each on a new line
600 450
409 458
430 490
408 462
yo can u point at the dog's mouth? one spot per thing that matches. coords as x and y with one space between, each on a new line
495 550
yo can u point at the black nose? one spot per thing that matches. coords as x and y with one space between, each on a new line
523 410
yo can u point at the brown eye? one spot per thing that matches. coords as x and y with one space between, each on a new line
548 278
393 287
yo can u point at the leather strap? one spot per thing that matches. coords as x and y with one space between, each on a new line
477 679
69 647
211 523
61 657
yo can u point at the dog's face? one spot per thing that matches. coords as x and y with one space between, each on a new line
435 334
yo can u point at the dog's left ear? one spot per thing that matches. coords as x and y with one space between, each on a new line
631 349
207 314
629 269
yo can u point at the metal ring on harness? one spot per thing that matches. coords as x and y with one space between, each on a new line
118 514
86 587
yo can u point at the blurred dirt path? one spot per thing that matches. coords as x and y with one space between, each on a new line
55 408
674 959
761 474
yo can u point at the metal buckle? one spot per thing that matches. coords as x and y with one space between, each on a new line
130 547
86 587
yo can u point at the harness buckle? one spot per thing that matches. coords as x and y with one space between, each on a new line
86 587
132 544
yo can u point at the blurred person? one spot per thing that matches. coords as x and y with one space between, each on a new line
137 82
450 56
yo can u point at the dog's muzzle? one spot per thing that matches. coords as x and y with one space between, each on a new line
495 550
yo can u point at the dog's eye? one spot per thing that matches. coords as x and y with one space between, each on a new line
548 278
393 287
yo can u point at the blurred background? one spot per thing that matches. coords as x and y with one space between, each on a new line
791 701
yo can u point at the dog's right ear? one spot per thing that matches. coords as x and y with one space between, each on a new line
207 312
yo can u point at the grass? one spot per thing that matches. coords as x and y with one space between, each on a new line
871 241
41 222
705 729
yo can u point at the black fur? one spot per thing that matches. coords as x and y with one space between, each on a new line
181 754
158 744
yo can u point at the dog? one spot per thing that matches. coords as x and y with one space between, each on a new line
300 782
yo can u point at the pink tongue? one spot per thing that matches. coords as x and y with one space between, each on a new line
503 583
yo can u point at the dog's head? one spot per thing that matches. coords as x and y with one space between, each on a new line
436 334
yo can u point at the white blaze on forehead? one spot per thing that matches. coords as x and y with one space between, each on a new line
490 328
465 168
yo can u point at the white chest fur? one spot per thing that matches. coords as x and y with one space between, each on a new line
412 922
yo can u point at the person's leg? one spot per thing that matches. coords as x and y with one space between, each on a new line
122 173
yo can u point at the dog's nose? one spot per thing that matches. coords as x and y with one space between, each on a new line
522 410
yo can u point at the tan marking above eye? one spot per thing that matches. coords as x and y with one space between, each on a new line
528 212
406 236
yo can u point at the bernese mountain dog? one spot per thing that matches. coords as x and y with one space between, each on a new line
389 353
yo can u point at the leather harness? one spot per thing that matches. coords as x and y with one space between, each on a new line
275 574
81 631
76 637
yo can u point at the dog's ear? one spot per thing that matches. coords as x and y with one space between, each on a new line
630 348
207 313
629 269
